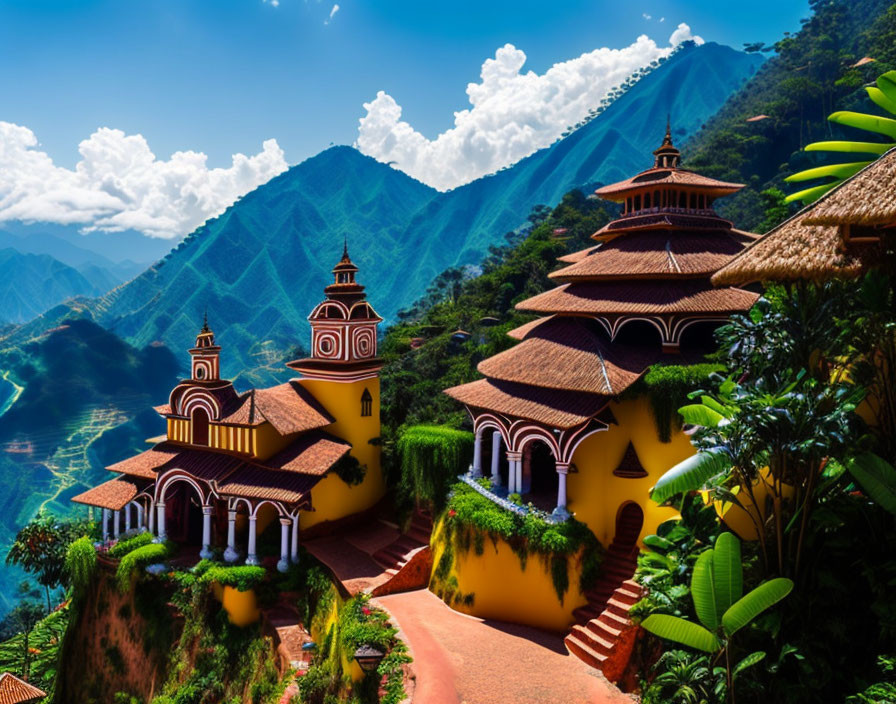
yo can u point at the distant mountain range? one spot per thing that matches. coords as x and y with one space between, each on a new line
260 267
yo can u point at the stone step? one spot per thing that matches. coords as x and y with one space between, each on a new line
614 621
583 652
619 608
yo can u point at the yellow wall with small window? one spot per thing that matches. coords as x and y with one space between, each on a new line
595 494
332 498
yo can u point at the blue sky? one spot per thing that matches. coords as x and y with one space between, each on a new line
220 76
152 116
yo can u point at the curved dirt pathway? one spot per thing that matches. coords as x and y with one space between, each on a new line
460 659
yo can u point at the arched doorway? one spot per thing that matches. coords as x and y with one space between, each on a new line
199 420
183 511
629 522
539 476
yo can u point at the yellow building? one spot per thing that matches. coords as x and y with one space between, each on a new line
558 420
301 453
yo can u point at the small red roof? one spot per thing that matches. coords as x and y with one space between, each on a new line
662 176
16 691
114 495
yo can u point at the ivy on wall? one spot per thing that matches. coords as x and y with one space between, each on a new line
470 518
431 457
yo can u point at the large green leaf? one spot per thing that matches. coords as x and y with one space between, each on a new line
877 477
699 414
839 171
887 84
677 629
690 475
881 99
850 147
728 573
748 661
750 606
811 194
869 123
703 590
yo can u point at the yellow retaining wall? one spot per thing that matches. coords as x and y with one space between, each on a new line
241 607
595 494
332 498
504 591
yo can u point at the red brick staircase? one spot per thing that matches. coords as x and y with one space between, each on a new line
395 555
601 621
601 638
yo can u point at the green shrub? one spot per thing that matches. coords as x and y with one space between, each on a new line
243 577
431 457
80 564
123 547
138 559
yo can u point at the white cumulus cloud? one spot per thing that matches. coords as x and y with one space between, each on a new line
512 113
119 184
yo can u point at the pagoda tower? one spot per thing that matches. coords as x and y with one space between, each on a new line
553 406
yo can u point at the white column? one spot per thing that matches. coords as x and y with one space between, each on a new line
127 518
230 554
105 525
283 563
513 472
496 458
116 525
162 535
141 525
251 557
294 556
152 517
206 552
477 456
562 471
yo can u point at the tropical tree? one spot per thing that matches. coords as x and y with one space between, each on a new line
781 439
721 607
40 549
884 95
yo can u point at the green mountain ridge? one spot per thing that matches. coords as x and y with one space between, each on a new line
260 267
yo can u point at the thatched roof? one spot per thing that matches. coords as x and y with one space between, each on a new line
809 245
868 198
791 251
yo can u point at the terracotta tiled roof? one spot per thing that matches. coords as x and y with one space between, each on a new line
113 494
559 409
794 250
640 297
578 355
577 256
146 464
313 453
657 254
289 407
256 482
666 177
868 198
523 330
16 691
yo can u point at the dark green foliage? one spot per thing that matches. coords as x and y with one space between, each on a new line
431 458
349 470
469 516
80 565
357 624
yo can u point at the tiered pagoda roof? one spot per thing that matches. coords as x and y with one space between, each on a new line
651 264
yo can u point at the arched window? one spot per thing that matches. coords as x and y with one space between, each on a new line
199 421
366 403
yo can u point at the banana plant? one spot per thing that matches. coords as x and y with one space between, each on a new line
721 607
884 95
877 477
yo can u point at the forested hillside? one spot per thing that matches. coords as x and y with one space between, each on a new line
756 137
